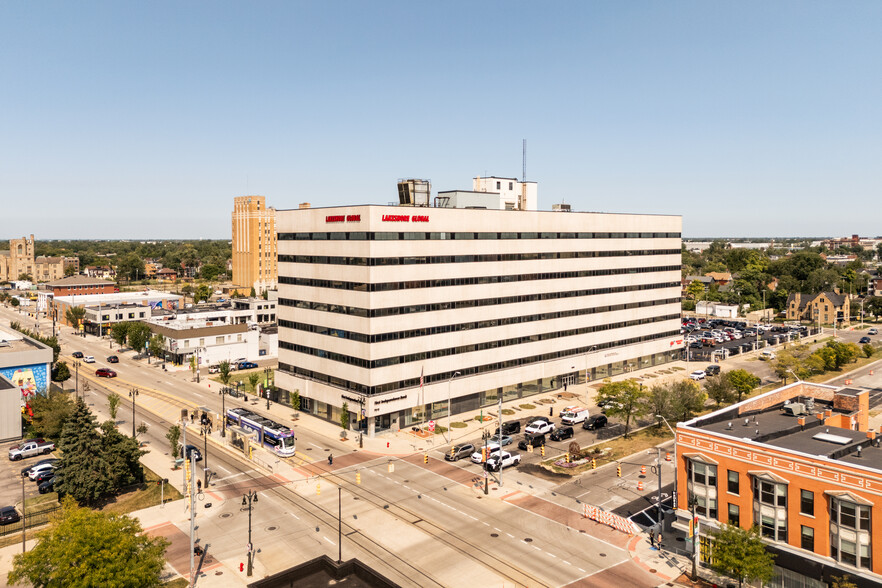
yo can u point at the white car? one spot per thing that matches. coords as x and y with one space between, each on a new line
873 331
698 375
491 449
89 359
539 428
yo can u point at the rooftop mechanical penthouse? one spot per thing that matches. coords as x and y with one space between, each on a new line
391 309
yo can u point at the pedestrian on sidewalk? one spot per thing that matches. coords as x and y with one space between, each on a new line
330 459
651 538
659 541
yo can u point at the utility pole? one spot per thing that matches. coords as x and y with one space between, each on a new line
23 512
499 438
659 466
192 517
133 394
339 525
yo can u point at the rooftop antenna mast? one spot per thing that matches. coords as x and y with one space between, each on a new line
522 199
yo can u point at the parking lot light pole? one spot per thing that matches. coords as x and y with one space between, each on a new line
133 393
449 435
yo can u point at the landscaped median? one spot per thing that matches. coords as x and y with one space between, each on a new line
609 451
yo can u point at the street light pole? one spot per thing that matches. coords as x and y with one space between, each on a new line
267 371
449 434
676 466
223 393
23 512
205 455
133 394
77 388
694 522
247 500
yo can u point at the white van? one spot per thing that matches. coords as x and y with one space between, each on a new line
574 416
767 355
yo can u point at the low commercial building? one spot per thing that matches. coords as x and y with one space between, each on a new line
25 370
80 286
102 310
393 310
801 463
208 342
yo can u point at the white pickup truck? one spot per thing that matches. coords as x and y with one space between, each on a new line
502 459
30 449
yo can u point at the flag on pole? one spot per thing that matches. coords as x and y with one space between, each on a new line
421 379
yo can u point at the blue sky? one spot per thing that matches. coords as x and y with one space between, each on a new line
144 120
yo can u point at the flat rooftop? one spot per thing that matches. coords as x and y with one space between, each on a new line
12 341
117 298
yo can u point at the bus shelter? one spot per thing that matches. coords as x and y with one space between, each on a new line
243 439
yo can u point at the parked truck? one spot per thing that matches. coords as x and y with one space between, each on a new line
30 448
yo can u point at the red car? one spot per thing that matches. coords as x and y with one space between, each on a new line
105 373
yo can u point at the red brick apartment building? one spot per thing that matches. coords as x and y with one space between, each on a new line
800 463
76 285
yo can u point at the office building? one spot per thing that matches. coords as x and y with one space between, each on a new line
254 244
391 309
802 464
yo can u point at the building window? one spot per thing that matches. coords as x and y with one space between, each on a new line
807 540
733 482
734 515
770 508
511 185
807 502
702 487
850 532
498 184
201 342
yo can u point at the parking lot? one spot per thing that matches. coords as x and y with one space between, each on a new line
776 336
10 478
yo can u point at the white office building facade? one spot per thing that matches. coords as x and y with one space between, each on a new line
391 309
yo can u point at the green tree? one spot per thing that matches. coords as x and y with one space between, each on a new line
720 389
209 271
695 290
203 293
119 332
50 413
253 293
173 436
187 291
74 315
131 267
295 399
626 400
113 404
743 382
25 277
843 581
344 416
82 470
14 302
193 366
157 345
69 271
123 457
224 372
253 380
742 555
687 399
82 547
61 373
138 334
867 349
658 401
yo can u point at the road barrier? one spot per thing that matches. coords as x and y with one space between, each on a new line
598 515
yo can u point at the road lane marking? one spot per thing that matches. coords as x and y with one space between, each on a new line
551 554
316 446
510 535
294 515
328 540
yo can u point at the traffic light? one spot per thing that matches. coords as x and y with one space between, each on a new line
358 477
241 567
425 458
593 464
619 471
567 457
318 488
542 450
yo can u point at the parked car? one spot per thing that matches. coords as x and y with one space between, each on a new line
610 405
566 409
113 359
712 370
77 354
767 355
501 439
574 416
47 485
9 515
25 471
491 449
44 475
214 369
30 448
864 340
194 450
500 460
562 433
36 470
540 427
873 331
105 373
535 441
698 375
510 428
595 422
246 365
458 452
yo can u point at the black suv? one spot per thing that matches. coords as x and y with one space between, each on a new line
509 428
537 441
562 433
595 422
459 451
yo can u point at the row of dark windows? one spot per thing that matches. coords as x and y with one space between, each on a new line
441 329
469 281
493 257
435 353
466 371
457 304
451 236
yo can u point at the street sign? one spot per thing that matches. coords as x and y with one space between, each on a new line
431 426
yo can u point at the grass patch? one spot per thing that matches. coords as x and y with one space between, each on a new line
479 418
176 583
458 425
140 496
440 429
528 406
615 449
507 411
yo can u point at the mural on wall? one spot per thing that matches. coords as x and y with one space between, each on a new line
30 378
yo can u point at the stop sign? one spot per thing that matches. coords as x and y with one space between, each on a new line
431 425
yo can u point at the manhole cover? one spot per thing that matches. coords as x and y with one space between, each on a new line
494 534
218 573
653 570
528 540
602 555
226 515
271 528
309 448
327 449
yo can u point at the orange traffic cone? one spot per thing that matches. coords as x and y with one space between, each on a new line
643 469
640 485
667 457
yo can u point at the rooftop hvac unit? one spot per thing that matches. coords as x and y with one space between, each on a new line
795 409
414 192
